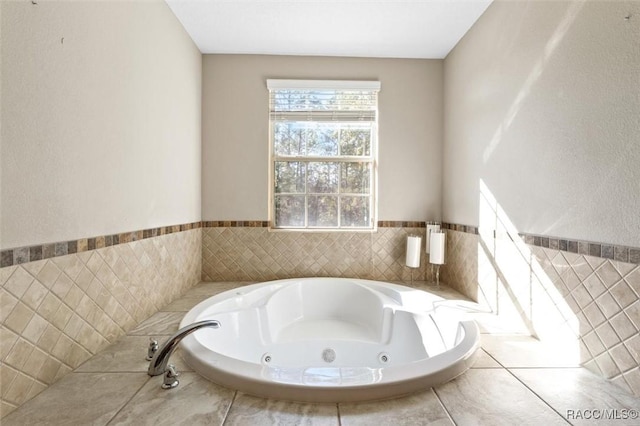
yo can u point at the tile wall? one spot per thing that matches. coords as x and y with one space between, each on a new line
580 300
59 310
254 253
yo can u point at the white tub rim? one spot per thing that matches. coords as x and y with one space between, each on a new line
397 380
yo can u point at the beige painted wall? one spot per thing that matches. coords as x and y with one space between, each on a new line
542 104
235 131
100 120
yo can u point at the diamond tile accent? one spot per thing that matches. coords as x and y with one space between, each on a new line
257 254
633 279
597 298
461 265
608 274
58 312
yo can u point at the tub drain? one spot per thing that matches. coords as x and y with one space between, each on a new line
329 355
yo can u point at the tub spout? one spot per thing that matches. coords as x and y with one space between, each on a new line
158 364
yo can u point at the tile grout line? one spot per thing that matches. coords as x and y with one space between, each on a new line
444 407
492 357
226 415
338 412
129 400
508 369
536 394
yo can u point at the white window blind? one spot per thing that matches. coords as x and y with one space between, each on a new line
323 100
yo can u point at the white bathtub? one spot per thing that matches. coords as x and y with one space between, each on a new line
328 340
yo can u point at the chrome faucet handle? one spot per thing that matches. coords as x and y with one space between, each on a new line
170 380
153 348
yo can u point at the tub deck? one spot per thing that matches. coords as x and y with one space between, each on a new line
515 378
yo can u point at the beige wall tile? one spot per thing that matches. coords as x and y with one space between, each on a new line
78 313
62 285
49 338
7 303
5 273
601 325
49 306
35 328
48 274
7 375
61 317
19 389
70 265
49 370
34 295
19 317
622 358
7 339
34 363
19 282
255 254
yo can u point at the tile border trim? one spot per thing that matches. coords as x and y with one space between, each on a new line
603 250
266 224
235 223
468 229
401 224
19 255
590 248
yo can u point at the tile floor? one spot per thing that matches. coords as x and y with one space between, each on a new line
514 381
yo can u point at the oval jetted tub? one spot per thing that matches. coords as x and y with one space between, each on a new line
328 340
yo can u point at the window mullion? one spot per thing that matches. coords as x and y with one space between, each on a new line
340 196
306 195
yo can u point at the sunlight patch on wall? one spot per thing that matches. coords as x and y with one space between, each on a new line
516 287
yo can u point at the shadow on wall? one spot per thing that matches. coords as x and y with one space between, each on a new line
582 308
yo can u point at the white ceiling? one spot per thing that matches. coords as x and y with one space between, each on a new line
364 28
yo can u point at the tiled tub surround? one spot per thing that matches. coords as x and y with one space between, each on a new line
57 312
513 381
251 253
65 301
584 304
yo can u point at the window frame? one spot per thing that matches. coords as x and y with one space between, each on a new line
371 159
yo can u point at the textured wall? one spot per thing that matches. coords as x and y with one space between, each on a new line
235 138
100 132
542 106
100 115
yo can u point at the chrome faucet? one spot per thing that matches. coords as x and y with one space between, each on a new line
161 355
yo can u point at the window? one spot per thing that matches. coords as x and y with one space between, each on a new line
323 138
